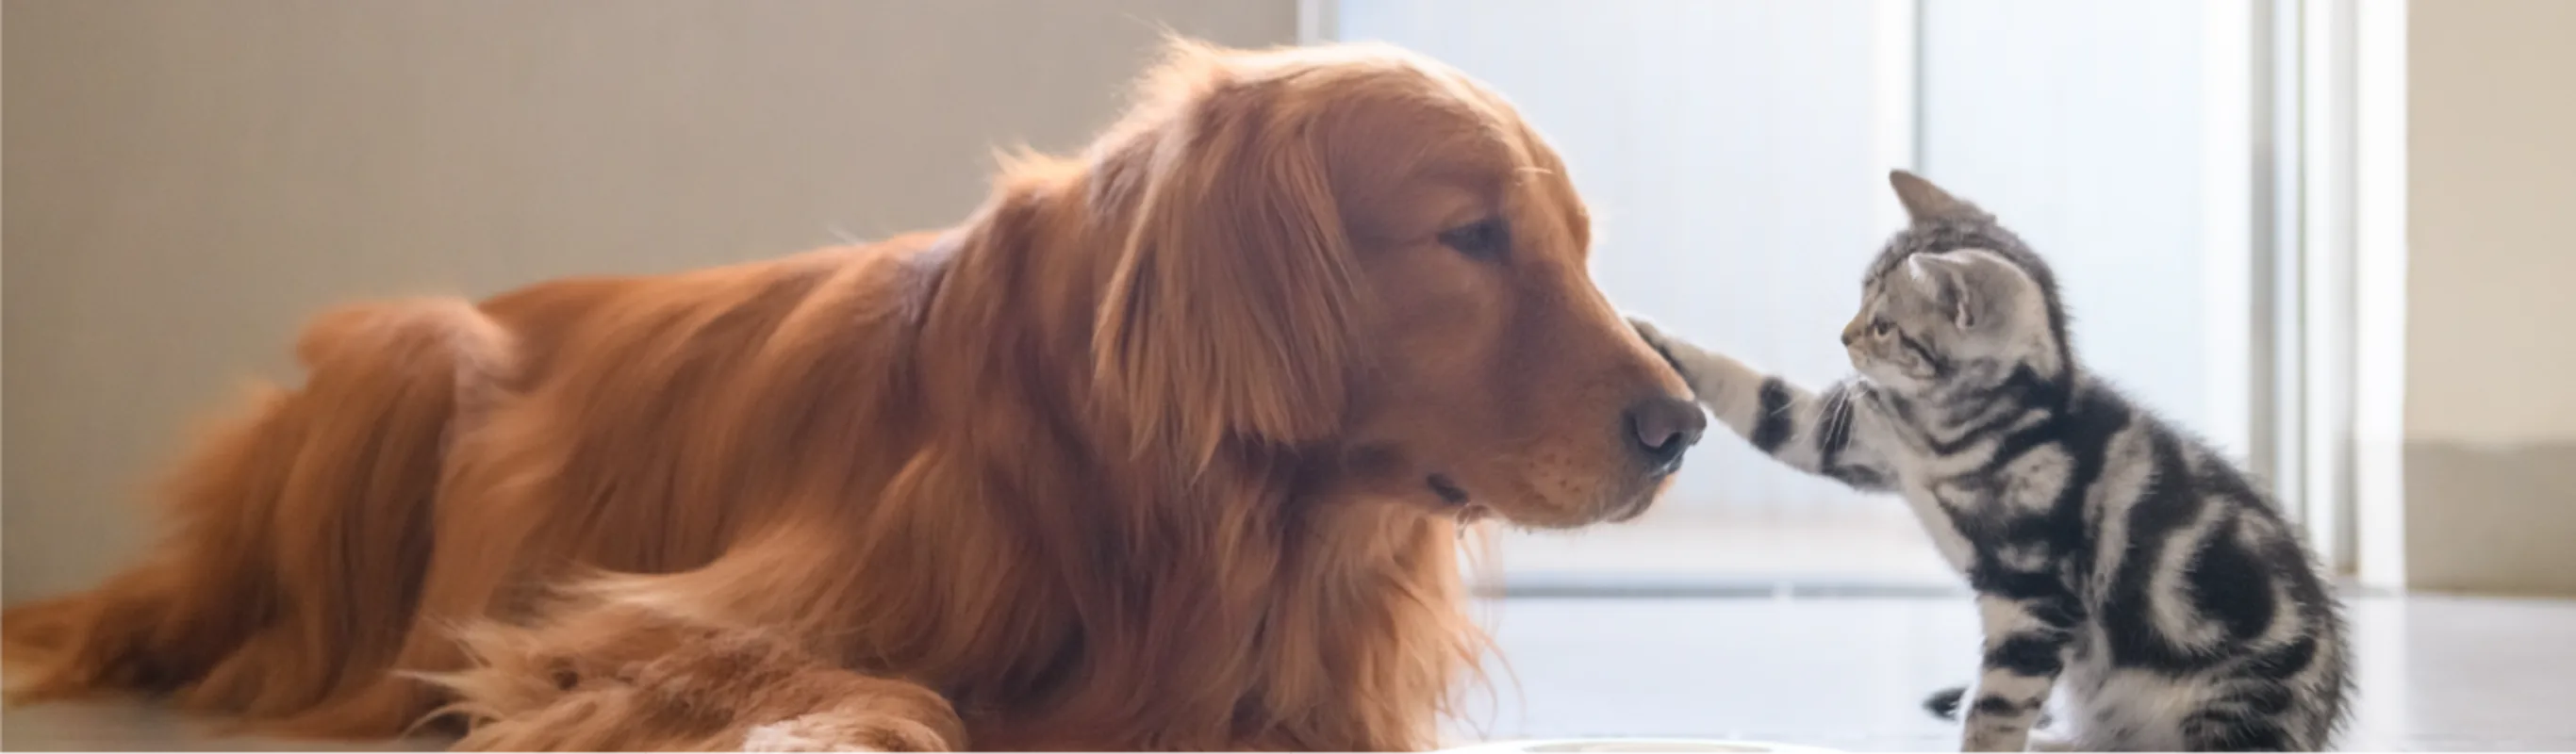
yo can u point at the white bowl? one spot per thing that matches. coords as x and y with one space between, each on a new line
1571 745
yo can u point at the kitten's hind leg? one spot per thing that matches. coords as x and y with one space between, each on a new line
2052 745
2027 641
2230 731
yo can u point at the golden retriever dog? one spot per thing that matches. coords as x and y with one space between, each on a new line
1167 446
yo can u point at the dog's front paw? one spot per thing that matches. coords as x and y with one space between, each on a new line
804 737
844 731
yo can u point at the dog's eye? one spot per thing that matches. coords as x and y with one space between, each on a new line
1483 239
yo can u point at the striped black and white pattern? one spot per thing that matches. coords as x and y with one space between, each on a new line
2123 570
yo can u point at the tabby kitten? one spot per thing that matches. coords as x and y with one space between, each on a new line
2116 558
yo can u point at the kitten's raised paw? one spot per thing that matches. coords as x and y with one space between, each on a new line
1671 348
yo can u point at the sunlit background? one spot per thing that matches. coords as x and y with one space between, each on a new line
1735 152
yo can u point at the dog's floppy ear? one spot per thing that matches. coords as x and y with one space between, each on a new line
1229 314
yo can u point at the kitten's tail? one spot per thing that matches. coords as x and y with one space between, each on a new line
1944 704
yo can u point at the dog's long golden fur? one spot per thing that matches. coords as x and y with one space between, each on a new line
1166 447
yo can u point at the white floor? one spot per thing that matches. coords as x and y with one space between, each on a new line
2436 674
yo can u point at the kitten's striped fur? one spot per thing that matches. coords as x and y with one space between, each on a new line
2116 558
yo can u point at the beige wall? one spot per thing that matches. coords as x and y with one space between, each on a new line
2491 287
184 181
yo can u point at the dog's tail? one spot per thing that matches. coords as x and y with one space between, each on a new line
298 531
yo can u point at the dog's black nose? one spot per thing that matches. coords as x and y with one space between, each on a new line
1663 427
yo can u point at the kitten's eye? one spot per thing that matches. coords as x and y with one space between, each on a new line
1482 239
1881 328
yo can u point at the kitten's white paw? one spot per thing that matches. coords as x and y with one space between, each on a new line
1994 741
1646 327
1674 349
1694 364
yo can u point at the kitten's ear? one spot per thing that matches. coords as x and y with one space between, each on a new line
1924 201
1953 284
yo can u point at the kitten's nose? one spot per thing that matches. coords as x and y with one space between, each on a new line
1850 334
1663 428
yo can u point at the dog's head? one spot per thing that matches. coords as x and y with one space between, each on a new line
1356 251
